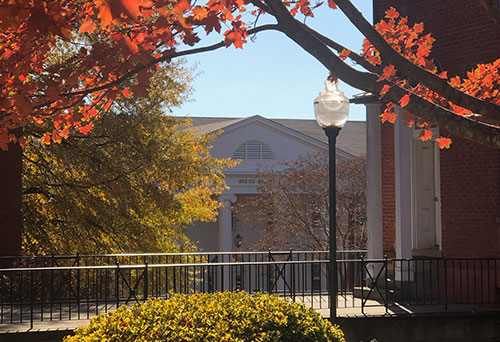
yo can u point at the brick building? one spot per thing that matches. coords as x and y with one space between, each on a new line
423 201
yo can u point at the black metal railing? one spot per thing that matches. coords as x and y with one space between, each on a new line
169 258
30 294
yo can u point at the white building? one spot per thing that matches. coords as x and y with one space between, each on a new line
261 144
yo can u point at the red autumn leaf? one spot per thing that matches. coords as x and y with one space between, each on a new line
126 92
388 72
384 90
388 116
444 142
181 6
86 129
404 101
105 15
392 13
418 28
92 112
132 7
200 13
425 135
344 54
46 138
332 4
236 35
424 50
443 75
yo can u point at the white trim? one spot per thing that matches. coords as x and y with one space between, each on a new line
374 182
278 128
404 206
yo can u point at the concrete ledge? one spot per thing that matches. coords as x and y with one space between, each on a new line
430 328
38 336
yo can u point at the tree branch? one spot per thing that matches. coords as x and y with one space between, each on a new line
428 79
433 113
492 7
165 58
338 47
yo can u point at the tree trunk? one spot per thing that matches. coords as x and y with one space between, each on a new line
10 200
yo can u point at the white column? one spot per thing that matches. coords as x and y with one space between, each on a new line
403 155
225 223
374 182
225 240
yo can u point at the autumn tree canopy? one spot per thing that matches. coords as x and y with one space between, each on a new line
132 184
115 46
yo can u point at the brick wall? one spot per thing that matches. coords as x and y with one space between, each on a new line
470 173
388 189
465 35
470 195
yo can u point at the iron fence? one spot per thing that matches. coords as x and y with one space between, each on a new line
29 294
169 258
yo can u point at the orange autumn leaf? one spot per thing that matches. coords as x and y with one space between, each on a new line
332 4
132 7
344 54
425 135
384 90
389 116
126 92
444 142
181 6
86 129
392 13
87 26
404 101
200 13
105 15
388 72
46 138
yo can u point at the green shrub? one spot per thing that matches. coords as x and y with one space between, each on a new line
227 316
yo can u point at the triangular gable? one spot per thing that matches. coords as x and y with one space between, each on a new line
280 129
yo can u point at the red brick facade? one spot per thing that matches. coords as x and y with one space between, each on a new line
388 189
470 173
470 194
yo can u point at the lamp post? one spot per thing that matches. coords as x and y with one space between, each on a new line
331 108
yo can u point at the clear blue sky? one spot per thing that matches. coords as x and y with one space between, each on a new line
272 76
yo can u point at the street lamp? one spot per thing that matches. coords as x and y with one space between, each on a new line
331 108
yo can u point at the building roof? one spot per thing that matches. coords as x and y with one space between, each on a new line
352 137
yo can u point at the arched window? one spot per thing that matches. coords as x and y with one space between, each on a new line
253 150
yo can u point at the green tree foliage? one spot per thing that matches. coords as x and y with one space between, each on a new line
227 316
131 184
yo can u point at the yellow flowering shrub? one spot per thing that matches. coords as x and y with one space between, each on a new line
217 317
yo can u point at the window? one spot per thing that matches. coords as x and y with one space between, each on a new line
253 150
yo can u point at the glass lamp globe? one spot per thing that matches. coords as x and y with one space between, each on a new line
331 107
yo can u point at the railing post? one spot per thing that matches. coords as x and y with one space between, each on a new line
146 281
78 284
362 284
446 285
269 271
385 273
31 299
117 287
